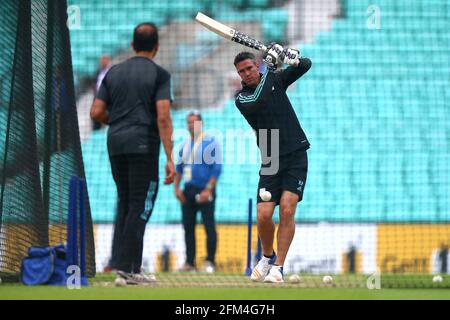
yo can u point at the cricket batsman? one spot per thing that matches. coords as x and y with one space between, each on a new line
265 105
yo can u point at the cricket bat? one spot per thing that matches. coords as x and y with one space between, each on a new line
229 33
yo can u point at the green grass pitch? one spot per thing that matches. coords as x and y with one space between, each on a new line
225 287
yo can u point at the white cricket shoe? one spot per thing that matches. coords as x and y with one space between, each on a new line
262 268
142 278
136 278
275 275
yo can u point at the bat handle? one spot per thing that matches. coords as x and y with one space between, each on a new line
245 40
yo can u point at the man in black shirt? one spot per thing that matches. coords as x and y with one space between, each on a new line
134 100
266 107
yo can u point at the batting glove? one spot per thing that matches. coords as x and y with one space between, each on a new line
273 54
290 56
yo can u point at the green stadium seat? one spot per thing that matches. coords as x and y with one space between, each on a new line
374 106
259 3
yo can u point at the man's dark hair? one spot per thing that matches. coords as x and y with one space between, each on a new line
244 56
145 37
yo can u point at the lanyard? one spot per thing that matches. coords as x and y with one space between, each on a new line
197 143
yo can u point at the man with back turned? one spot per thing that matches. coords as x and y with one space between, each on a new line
134 100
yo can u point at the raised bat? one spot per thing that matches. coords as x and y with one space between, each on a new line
229 33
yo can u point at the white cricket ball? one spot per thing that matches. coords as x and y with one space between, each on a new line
437 278
327 279
120 282
209 269
265 195
295 278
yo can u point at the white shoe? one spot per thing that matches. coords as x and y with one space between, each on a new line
261 269
136 278
275 275
187 268
144 278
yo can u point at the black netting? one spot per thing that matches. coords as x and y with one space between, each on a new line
40 146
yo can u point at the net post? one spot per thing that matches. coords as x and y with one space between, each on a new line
72 237
248 269
82 226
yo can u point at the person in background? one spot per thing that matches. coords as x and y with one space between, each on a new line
199 167
443 258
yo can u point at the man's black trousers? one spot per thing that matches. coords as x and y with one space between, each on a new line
190 209
136 177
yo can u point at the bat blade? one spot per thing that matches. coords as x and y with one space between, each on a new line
215 26
229 33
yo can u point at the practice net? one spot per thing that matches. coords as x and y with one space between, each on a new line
374 106
40 147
